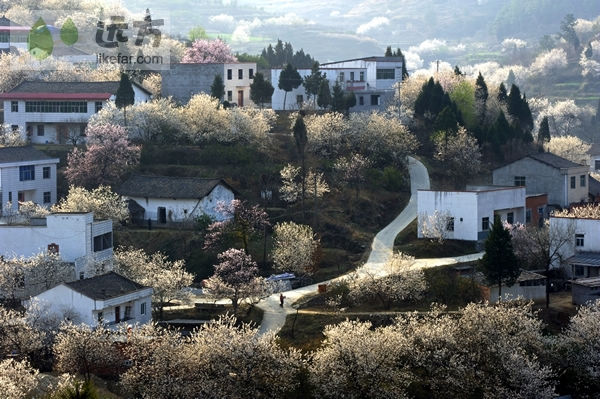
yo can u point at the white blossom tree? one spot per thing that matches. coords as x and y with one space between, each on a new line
401 282
460 153
291 187
352 170
205 120
17 336
294 248
549 63
102 201
569 147
167 278
326 133
236 278
10 137
435 226
17 379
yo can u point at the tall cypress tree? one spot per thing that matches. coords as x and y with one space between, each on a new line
217 89
289 79
324 96
388 51
125 95
338 103
261 90
544 131
481 96
499 263
312 82
502 94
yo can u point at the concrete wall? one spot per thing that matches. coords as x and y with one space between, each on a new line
542 178
582 294
62 299
179 210
535 293
72 232
590 228
10 183
279 95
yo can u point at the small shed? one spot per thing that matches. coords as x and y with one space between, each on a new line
584 290
529 286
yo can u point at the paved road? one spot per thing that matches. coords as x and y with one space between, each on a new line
381 250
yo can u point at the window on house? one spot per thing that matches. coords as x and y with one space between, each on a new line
229 95
342 76
14 106
46 172
9 196
386 74
361 100
573 182
362 76
98 105
528 216
597 164
143 308
26 172
47 197
40 130
374 99
71 107
582 180
450 224
240 74
128 312
103 242
229 74
510 217
352 76
579 240
251 73
519 181
485 224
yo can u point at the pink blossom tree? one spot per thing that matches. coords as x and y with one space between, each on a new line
208 52
108 156
242 223
236 278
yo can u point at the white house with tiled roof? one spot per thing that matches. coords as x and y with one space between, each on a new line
109 299
372 79
26 174
58 112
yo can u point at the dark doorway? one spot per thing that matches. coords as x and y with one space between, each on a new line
240 98
117 314
162 215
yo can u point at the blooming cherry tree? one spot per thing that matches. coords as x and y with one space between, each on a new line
294 248
102 201
204 51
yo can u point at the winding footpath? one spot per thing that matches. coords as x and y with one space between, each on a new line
381 251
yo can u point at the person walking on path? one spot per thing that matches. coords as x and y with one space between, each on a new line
281 298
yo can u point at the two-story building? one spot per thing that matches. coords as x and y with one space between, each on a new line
76 237
183 81
58 112
26 174
580 256
372 79
564 181
470 214
13 37
108 299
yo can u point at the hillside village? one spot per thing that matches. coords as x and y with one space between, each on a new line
270 226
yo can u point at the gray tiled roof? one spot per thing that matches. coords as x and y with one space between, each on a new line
21 154
66 87
169 187
554 160
587 282
585 258
105 286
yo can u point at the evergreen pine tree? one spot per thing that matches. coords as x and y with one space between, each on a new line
217 89
324 96
446 121
481 96
513 104
261 90
312 82
388 52
502 94
544 131
338 103
511 78
349 101
404 70
289 79
125 95
499 132
499 263
457 71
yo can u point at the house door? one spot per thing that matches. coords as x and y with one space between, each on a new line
240 98
162 215
20 198
117 314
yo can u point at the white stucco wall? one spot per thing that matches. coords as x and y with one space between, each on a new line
279 95
590 228
235 84
469 207
61 299
176 208
534 293
10 183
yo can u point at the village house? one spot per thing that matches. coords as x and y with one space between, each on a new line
564 181
26 174
76 237
183 81
585 290
581 255
58 112
108 299
536 209
13 37
470 214
372 79
165 199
